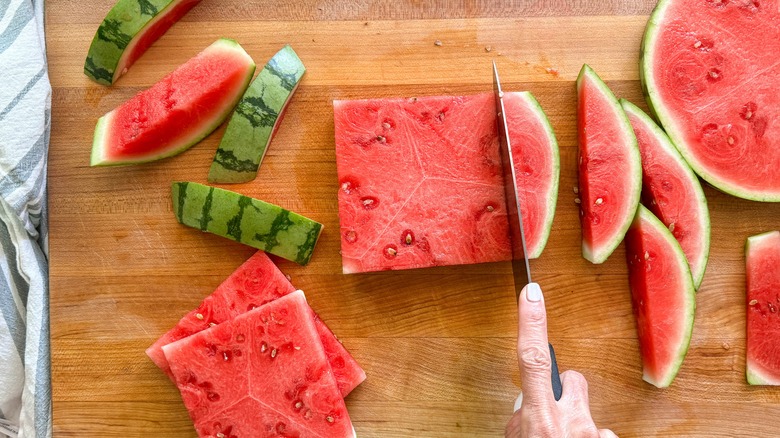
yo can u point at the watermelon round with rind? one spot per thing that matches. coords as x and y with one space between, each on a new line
710 74
663 297
129 28
176 112
610 168
672 191
762 256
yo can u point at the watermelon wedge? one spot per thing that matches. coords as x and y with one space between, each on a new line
762 254
420 181
256 282
263 373
610 168
129 28
663 297
256 118
672 191
710 73
176 112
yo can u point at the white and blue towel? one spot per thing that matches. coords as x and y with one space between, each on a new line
25 111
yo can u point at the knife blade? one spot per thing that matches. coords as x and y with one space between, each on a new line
521 269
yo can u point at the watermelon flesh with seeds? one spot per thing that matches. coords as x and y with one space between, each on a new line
263 373
763 308
176 112
256 282
610 168
420 180
711 75
663 297
672 191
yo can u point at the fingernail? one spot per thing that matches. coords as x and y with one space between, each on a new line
533 292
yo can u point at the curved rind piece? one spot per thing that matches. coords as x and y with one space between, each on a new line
256 119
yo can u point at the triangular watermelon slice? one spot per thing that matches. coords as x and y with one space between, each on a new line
256 282
263 373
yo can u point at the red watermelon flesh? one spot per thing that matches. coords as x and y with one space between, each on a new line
763 309
421 184
711 74
663 297
176 112
262 374
256 282
672 191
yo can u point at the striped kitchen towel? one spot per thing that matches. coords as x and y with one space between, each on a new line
25 109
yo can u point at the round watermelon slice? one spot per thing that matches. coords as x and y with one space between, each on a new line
610 168
176 112
672 191
663 297
763 308
711 74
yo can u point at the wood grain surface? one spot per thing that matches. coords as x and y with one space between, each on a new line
437 344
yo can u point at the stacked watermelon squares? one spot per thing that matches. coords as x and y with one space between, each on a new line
255 360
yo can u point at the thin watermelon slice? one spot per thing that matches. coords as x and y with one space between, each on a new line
672 191
263 373
663 297
710 73
421 183
129 28
610 168
256 118
762 254
256 282
176 112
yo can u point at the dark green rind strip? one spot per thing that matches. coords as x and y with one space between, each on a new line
250 221
252 125
123 23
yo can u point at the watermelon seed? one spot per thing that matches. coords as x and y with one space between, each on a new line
381 139
211 324
577 200
490 208
747 110
273 353
212 396
726 345
753 302
730 140
440 116
408 237
199 316
671 227
576 190
350 236
488 48
220 435
599 201
697 44
308 414
263 347
226 355
298 404
369 202
391 251
437 43
329 418
386 125
714 75
772 307
297 348
647 255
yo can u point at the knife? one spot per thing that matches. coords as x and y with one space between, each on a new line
521 269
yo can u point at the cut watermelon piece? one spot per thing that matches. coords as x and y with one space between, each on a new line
176 112
257 116
711 75
421 182
672 191
610 168
263 373
250 221
256 282
762 254
129 28
663 297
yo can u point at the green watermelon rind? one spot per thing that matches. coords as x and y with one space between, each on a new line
276 230
126 22
97 158
598 256
257 116
643 214
667 120
552 198
754 372
704 213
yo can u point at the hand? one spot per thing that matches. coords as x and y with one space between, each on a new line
539 415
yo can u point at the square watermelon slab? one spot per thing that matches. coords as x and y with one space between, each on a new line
255 283
263 373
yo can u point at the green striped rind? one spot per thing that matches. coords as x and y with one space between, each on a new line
250 221
646 217
754 372
122 24
552 196
253 123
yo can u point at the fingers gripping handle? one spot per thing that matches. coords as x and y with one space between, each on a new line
555 375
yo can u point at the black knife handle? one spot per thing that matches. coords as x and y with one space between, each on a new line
556 376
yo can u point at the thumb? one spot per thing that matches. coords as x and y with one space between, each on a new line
533 352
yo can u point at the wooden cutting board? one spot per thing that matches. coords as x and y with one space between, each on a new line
437 344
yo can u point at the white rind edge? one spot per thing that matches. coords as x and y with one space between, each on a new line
671 151
598 256
646 216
